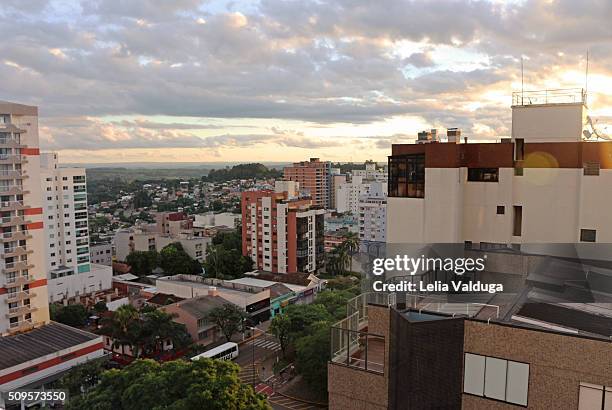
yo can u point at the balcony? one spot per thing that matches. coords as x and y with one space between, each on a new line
11 220
12 190
16 251
11 142
22 326
15 266
19 280
12 205
12 175
19 296
14 236
12 159
20 310
351 344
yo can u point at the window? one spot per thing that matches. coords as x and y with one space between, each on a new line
407 176
501 209
591 168
518 220
483 174
588 235
496 378
594 397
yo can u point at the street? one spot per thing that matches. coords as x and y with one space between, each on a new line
256 358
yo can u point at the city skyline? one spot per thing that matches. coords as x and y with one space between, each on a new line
193 81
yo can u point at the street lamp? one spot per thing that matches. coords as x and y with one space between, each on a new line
253 329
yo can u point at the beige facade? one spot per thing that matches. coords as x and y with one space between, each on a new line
23 290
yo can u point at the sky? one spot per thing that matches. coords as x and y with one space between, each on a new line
271 80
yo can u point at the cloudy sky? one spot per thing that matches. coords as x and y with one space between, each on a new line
272 80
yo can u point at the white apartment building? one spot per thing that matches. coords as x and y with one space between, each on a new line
65 216
373 214
371 173
349 193
33 350
549 183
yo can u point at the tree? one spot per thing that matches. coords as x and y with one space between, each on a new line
121 327
71 315
174 259
223 263
301 317
100 307
143 262
335 302
281 329
156 327
182 385
142 199
229 318
351 245
312 354
82 378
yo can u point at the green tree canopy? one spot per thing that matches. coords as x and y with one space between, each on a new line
281 329
301 317
312 354
71 315
179 385
229 318
224 263
174 260
143 262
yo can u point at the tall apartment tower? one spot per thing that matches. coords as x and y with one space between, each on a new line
282 233
23 292
314 178
65 216
548 183
34 351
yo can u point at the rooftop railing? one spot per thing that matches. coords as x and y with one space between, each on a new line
555 96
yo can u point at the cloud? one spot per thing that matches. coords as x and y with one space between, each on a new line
317 62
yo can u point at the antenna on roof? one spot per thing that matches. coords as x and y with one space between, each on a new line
586 79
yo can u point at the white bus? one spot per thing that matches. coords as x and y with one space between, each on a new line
226 351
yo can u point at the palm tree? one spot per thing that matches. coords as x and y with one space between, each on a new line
351 246
120 327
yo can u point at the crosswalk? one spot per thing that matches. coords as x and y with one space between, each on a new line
264 343
280 402
248 375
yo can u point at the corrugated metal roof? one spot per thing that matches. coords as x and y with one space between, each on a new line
42 341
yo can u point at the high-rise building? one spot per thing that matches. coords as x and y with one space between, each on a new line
65 215
546 184
373 214
71 273
33 350
314 178
282 233
23 291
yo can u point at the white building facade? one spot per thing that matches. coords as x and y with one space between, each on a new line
373 215
547 184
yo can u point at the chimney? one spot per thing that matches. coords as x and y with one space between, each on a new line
212 291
